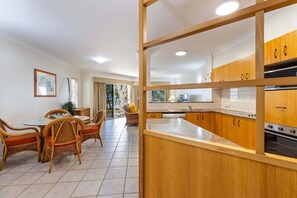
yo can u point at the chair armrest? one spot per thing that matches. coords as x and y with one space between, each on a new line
37 134
21 129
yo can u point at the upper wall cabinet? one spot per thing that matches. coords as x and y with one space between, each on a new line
281 49
243 69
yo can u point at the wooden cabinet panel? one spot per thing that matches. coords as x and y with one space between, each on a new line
281 107
82 111
217 74
289 46
203 120
154 115
272 52
249 67
235 70
218 124
239 130
207 121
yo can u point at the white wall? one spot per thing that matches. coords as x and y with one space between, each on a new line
17 63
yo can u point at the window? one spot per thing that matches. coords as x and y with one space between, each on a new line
74 91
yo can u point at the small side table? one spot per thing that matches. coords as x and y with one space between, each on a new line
81 111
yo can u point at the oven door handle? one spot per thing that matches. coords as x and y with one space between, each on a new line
272 133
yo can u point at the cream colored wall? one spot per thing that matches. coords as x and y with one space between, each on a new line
17 63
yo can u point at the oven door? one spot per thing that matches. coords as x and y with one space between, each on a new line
279 144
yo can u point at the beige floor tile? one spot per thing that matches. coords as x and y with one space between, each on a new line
116 173
62 166
133 171
42 167
23 168
100 163
87 188
111 196
120 155
7 178
83 165
36 191
54 177
12 191
73 175
105 155
62 190
89 156
133 195
27 178
133 154
131 185
133 162
95 174
93 150
118 162
112 186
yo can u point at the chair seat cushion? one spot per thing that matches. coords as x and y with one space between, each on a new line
132 108
49 142
19 140
90 129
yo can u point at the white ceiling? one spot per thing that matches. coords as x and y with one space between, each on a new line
77 31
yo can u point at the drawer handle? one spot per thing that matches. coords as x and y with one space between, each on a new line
281 107
241 77
247 76
234 122
275 50
238 123
285 50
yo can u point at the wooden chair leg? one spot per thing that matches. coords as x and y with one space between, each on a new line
51 161
78 152
100 141
3 158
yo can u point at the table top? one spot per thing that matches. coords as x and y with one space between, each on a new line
45 121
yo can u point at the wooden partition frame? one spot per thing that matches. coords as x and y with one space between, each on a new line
257 10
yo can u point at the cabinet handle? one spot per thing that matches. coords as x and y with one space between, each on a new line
238 123
234 122
278 107
275 50
285 50
241 77
202 117
247 76
197 116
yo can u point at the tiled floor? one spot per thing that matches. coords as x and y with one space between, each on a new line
110 171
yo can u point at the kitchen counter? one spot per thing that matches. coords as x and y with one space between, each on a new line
184 128
224 111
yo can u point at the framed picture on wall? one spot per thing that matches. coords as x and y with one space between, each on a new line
45 84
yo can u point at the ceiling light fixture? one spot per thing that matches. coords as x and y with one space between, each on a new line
227 7
180 53
100 60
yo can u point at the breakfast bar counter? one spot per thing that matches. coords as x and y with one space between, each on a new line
183 129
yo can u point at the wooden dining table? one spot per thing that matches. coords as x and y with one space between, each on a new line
42 122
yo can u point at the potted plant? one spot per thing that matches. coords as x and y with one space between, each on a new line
69 106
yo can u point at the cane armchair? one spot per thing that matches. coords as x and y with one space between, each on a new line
92 129
51 114
131 118
14 143
62 135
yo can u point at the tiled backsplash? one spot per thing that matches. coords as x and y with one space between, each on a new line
239 99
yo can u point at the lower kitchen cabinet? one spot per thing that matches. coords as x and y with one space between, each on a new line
241 131
154 115
204 120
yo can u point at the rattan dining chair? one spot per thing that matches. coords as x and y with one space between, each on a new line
92 129
62 135
55 112
14 143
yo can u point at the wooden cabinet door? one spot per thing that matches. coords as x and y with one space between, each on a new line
246 133
235 70
154 115
217 74
228 127
289 46
218 124
272 52
281 107
194 118
207 121
249 67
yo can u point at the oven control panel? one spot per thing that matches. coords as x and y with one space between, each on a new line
281 129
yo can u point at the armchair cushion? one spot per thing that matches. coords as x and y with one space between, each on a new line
132 108
90 129
19 140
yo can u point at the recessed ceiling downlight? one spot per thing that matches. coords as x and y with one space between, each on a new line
180 53
227 7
